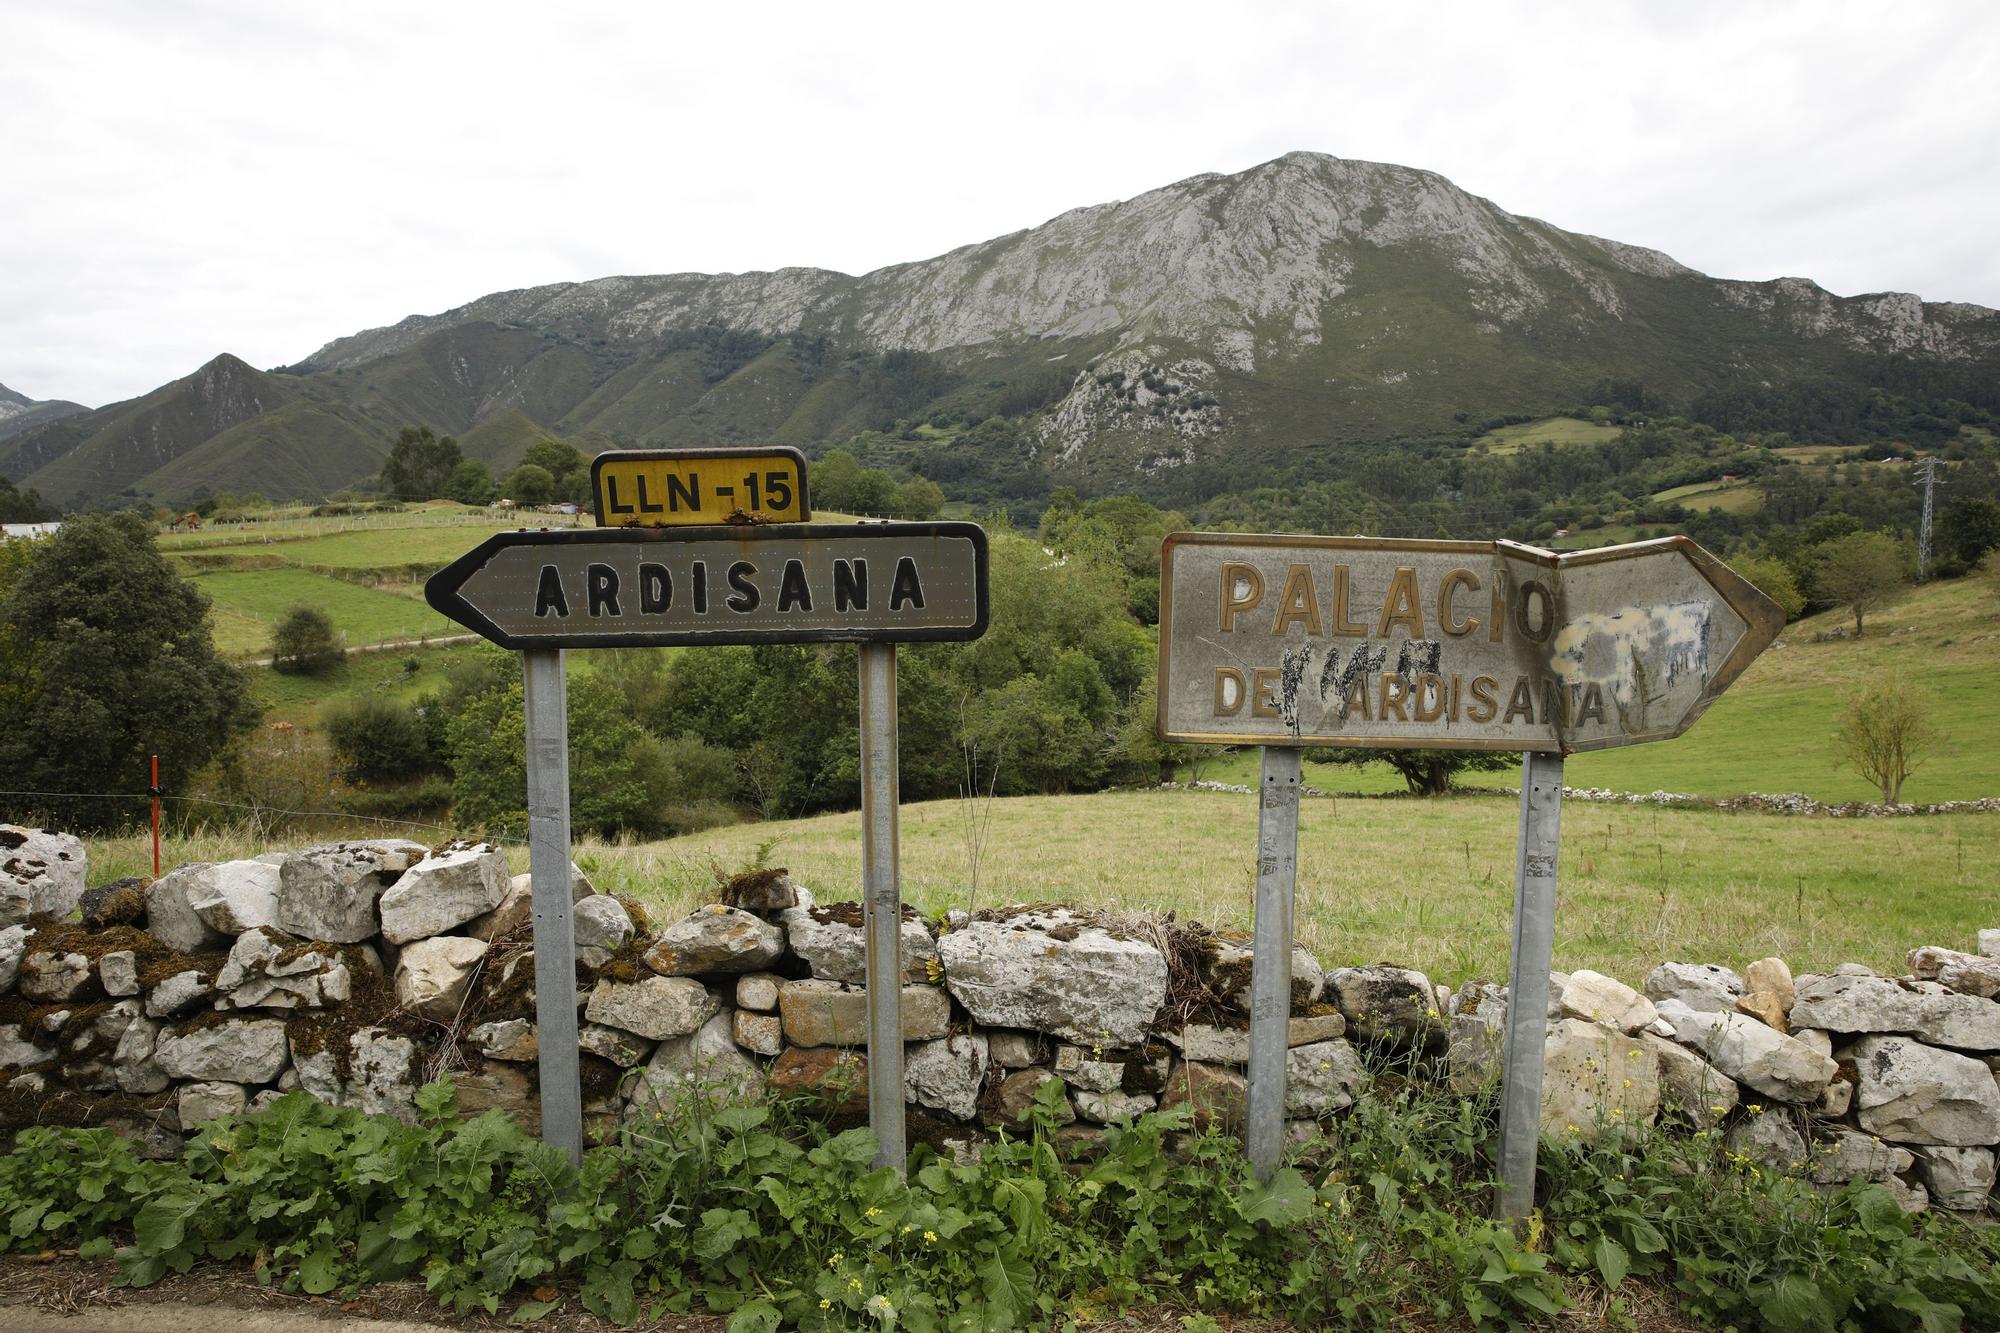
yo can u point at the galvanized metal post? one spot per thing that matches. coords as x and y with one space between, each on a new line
548 865
1271 961
1528 988
882 900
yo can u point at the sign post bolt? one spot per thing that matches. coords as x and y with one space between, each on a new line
882 901
1271 959
1528 988
548 865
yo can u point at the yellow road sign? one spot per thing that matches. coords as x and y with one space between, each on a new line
659 488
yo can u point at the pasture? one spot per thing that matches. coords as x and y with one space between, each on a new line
1558 431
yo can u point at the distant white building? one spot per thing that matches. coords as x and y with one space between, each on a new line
27 532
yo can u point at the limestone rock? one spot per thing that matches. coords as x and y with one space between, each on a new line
1108 1108
1006 1105
1080 1068
236 1050
654 1007
1989 944
1846 1155
758 991
1819 1040
1771 1141
1767 1007
1474 1039
1833 1104
1392 1005
763 1034
1702 987
1691 1086
1855 1003
55 978
763 892
1912 1093
13 948
500 1087
178 993
1016 1050
441 892
1968 974
1231 962
235 896
716 939
1781 1067
831 942
1211 1044
380 1077
1962 1022
1218 1095
621 1048
1321 1078
267 970
1596 1082
132 1064
1959 1179
40 872
830 1074
826 1013
946 1075
433 975
122 902
201 1102
1774 976
1596 998
601 926
170 915
511 1039
18 1050
118 972
330 892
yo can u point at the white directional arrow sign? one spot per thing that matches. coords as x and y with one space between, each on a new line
1353 641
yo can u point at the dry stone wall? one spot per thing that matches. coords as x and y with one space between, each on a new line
357 971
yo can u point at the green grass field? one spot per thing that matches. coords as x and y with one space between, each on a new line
1732 497
300 699
1427 883
1550 430
249 603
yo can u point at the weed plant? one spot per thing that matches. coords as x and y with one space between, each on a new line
764 1213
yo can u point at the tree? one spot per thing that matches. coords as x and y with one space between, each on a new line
420 465
607 762
470 484
22 506
558 459
1885 733
1968 530
529 484
1773 578
305 642
1424 772
917 499
105 658
1861 571
380 739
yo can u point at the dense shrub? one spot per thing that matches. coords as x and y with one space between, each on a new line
305 643
380 739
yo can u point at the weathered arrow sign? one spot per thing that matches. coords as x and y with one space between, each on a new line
798 583
1356 641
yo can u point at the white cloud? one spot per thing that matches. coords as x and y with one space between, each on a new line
193 178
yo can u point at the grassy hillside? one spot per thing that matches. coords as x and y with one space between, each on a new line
249 603
1425 882
1772 731
1549 430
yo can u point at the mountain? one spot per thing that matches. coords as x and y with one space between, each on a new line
19 413
1201 336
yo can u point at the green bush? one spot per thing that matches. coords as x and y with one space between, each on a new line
380 739
305 643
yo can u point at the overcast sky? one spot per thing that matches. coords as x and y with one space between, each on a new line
182 179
